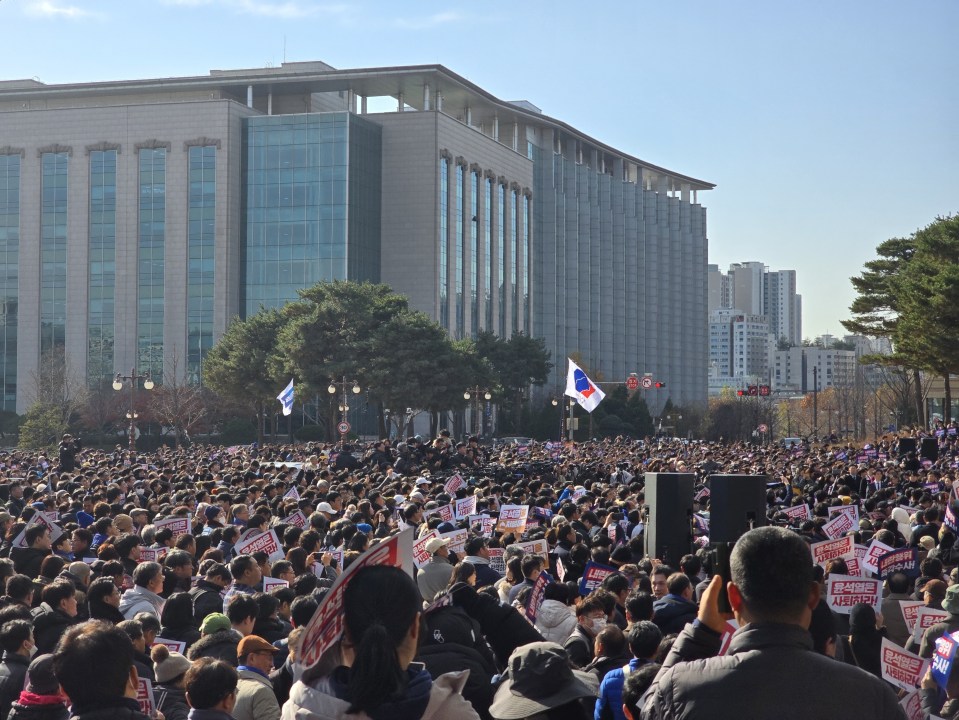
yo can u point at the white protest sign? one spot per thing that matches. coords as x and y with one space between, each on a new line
177 525
178 646
851 511
823 552
153 554
145 697
326 626
838 526
875 551
453 484
297 519
465 507
420 555
910 610
844 591
444 511
270 583
926 617
457 540
292 494
798 512
487 524
266 542
900 667
497 560
533 547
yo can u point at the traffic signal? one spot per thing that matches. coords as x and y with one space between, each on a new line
660 385
740 393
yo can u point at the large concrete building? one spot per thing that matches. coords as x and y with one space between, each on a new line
137 218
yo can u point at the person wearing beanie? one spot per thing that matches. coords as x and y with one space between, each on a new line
170 694
42 698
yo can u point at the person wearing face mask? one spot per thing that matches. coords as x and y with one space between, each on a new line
16 639
590 620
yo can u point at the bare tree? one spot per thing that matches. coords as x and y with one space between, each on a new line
176 404
57 385
102 409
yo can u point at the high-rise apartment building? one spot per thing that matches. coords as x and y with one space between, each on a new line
137 218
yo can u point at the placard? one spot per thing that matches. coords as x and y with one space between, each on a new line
798 512
297 519
512 519
900 667
876 550
536 596
270 583
904 560
153 554
145 697
926 617
912 706
457 540
851 511
177 525
844 591
487 524
910 610
177 646
943 658
497 560
292 494
453 484
444 511
420 555
326 626
266 542
823 552
593 577
838 526
465 507
533 547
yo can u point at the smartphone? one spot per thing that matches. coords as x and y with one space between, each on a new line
721 555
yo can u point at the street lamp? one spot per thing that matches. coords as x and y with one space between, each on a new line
474 393
344 406
133 378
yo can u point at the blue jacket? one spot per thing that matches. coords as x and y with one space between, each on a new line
609 704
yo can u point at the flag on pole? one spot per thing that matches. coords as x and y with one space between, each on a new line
286 398
582 389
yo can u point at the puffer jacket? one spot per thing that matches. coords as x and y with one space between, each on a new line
138 599
555 621
171 701
38 707
747 682
502 625
312 703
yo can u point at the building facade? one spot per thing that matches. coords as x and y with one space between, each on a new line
138 218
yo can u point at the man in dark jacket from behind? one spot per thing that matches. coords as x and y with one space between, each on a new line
94 665
219 640
772 595
56 613
206 595
27 560
16 639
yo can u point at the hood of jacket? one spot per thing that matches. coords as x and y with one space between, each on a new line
553 614
137 596
220 644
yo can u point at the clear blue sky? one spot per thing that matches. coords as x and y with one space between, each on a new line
827 126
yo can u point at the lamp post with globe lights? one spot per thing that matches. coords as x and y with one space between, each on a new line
134 379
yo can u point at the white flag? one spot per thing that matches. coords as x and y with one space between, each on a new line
286 397
582 389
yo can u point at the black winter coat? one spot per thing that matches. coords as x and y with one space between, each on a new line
221 645
46 711
206 599
13 673
27 561
505 629
451 657
48 625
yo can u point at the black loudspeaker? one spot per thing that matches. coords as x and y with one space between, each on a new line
929 449
906 445
736 504
669 501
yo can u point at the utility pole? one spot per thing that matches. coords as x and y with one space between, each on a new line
815 401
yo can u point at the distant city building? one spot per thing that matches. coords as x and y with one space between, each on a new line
738 349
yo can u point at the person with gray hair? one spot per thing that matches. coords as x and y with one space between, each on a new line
144 596
772 594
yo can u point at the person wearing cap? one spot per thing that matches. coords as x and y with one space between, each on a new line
435 575
170 669
218 639
254 697
540 682
42 698
949 625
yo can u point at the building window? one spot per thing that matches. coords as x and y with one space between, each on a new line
102 264
53 252
488 256
201 264
474 252
9 275
458 259
513 257
152 237
444 242
501 260
527 319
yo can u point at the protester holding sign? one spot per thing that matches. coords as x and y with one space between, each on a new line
376 678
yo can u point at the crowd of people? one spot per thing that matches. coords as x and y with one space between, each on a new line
127 588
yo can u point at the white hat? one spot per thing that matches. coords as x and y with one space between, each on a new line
436 543
422 481
326 508
417 496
